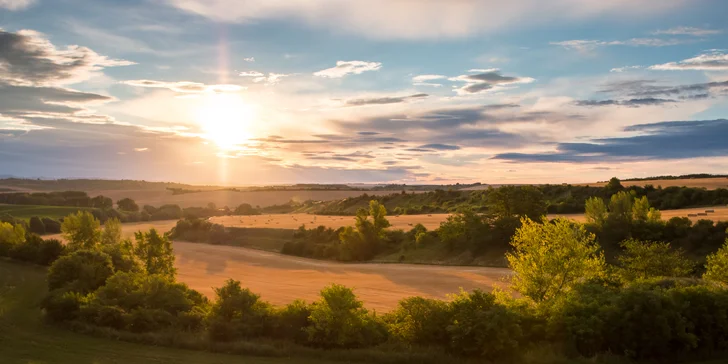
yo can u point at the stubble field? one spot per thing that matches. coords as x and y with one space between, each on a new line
708 183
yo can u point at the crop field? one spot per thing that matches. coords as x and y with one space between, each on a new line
293 221
708 183
720 214
28 211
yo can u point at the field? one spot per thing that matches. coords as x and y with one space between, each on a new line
28 211
25 339
708 183
720 214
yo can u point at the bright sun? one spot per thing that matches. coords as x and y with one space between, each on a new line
225 119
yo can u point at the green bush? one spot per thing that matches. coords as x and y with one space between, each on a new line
237 313
49 251
123 258
338 320
51 226
62 305
36 226
291 320
420 321
82 271
482 327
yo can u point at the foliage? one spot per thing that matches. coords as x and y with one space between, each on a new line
82 271
51 226
37 250
595 211
564 252
516 201
648 259
291 320
81 230
716 267
420 321
62 304
363 241
123 258
155 252
36 226
246 209
127 204
338 320
237 313
482 327
111 234
10 236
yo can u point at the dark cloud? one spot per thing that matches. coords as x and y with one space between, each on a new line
28 58
383 100
663 140
21 100
420 150
368 133
487 80
647 101
439 146
647 89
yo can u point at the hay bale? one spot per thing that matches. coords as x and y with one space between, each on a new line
709 210
692 215
702 214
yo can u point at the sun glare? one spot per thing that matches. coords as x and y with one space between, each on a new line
225 119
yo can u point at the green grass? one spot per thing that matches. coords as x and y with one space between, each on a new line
25 338
28 211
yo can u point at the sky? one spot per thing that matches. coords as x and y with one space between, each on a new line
241 92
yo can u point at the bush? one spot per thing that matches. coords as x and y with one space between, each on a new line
716 268
62 305
49 251
420 321
123 258
291 320
338 320
647 259
482 327
36 226
83 271
237 313
51 226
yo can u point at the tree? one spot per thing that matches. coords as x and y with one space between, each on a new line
102 202
81 230
127 204
10 236
614 185
716 267
519 201
36 225
596 211
647 259
620 207
641 209
82 271
111 233
379 216
654 215
362 241
246 209
550 257
155 252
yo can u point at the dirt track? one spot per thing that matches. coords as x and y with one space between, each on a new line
280 279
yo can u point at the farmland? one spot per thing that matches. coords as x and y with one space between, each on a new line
28 211
707 183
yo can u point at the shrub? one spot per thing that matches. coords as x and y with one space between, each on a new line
291 320
36 226
716 267
420 321
10 236
62 304
123 258
237 313
482 327
81 230
338 320
49 251
83 271
51 226
646 259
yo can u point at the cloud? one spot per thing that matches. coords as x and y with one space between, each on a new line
18 101
625 68
271 79
141 149
423 20
27 58
697 32
16 4
251 74
184 86
657 141
437 146
584 45
424 78
649 88
480 82
714 61
648 101
383 100
344 68
249 59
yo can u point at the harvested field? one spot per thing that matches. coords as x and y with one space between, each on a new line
708 183
720 213
280 279
293 221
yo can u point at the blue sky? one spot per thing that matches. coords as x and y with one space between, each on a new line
250 92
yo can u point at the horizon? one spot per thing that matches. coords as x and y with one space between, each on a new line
224 93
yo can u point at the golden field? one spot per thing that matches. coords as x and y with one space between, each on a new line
708 183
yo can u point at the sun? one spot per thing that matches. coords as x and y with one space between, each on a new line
226 119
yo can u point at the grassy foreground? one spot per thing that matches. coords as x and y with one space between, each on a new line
25 338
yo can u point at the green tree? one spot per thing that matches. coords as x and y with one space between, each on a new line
641 209
81 230
156 253
10 236
127 204
716 267
596 211
620 207
111 233
647 259
362 241
82 271
379 216
519 201
654 215
102 202
614 185
550 257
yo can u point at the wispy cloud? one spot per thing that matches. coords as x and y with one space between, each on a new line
481 82
16 4
249 59
583 45
344 68
184 86
713 61
697 32
625 68
383 100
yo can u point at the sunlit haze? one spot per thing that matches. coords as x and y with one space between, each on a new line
324 91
